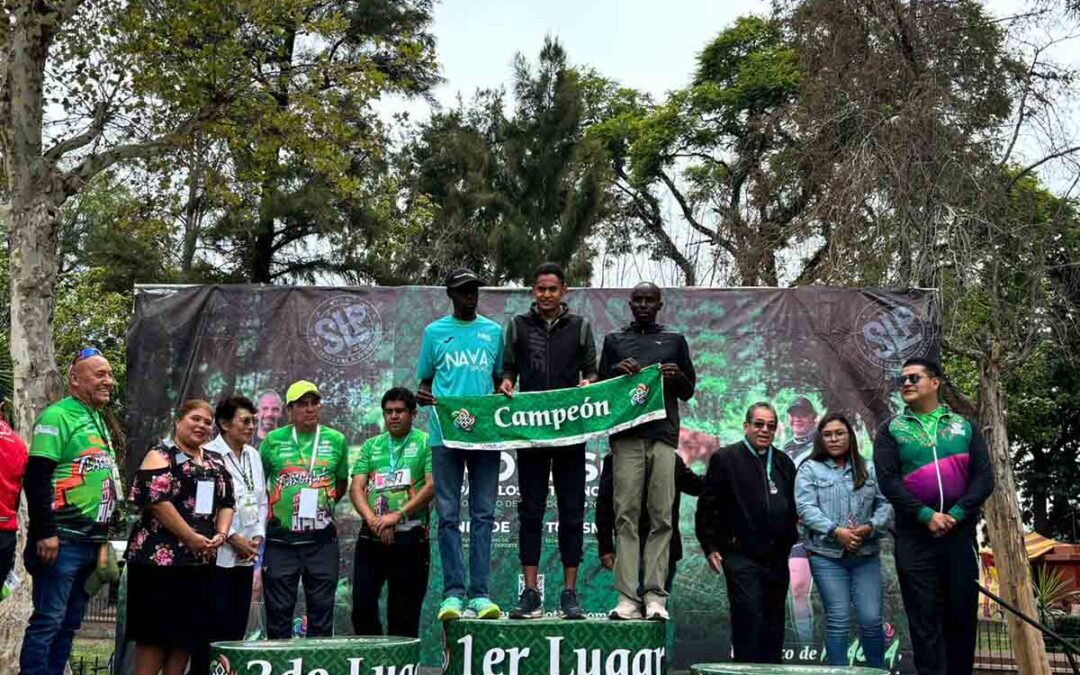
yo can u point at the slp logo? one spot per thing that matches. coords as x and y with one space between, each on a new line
891 335
463 420
344 330
639 394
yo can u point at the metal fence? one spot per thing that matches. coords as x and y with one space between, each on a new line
84 666
102 607
993 647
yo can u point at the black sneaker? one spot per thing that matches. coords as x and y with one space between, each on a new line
568 606
529 605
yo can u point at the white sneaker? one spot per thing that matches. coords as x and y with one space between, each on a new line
656 611
627 610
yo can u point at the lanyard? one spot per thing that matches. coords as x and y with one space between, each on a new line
314 450
248 475
770 487
401 450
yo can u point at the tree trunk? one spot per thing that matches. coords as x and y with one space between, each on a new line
1003 519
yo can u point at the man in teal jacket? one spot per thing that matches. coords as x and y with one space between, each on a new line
933 466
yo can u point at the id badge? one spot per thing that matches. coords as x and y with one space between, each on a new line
204 498
249 511
309 503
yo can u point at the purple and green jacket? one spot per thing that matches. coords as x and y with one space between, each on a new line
944 469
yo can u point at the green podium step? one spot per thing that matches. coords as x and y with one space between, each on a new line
554 647
317 656
770 669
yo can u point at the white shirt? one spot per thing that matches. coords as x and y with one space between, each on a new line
245 471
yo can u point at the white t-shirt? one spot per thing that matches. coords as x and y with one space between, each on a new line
249 488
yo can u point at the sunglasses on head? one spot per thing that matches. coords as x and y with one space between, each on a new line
86 353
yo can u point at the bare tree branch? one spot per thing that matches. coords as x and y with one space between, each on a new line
1031 167
97 126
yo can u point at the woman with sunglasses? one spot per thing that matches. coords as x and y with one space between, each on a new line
235 420
843 516
186 502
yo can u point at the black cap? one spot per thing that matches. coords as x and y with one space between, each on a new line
801 406
462 277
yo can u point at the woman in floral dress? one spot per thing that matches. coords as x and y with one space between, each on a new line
185 499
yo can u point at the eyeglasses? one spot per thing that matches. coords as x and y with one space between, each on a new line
835 435
762 424
86 353
245 421
913 378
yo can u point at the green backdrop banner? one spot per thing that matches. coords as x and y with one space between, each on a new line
555 647
838 348
551 418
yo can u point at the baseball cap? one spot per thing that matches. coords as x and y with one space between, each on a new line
299 389
801 406
462 277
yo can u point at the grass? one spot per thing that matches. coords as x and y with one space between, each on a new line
88 648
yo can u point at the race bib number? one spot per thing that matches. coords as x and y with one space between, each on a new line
402 478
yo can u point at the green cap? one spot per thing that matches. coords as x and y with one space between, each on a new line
299 389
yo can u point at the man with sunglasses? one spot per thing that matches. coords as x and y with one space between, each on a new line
72 482
745 522
644 456
933 466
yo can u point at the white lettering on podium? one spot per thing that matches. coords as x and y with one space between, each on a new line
265 665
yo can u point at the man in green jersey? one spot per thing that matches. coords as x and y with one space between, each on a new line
71 485
391 489
306 466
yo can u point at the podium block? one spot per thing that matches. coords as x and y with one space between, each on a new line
770 669
554 647
317 656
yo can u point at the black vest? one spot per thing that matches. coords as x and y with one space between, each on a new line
548 359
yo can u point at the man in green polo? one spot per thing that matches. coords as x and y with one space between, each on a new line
392 487
307 467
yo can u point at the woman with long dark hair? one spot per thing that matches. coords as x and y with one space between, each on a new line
843 516
185 499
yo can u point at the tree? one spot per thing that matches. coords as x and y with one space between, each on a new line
725 150
510 192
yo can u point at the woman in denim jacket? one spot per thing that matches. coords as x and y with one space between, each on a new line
843 516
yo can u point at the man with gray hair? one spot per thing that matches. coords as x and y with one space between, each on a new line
745 522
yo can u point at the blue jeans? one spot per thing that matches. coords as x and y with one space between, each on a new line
448 466
59 602
843 582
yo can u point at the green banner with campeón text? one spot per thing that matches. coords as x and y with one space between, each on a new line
551 418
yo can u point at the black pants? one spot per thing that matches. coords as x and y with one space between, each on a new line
938 583
757 596
403 566
7 554
284 565
566 466
232 601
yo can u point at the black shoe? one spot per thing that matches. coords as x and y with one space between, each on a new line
529 605
568 606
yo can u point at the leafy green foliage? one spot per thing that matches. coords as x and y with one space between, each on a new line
509 191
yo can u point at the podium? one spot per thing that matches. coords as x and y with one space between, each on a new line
317 656
770 669
554 647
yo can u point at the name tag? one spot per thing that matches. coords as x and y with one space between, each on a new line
249 511
309 503
204 498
